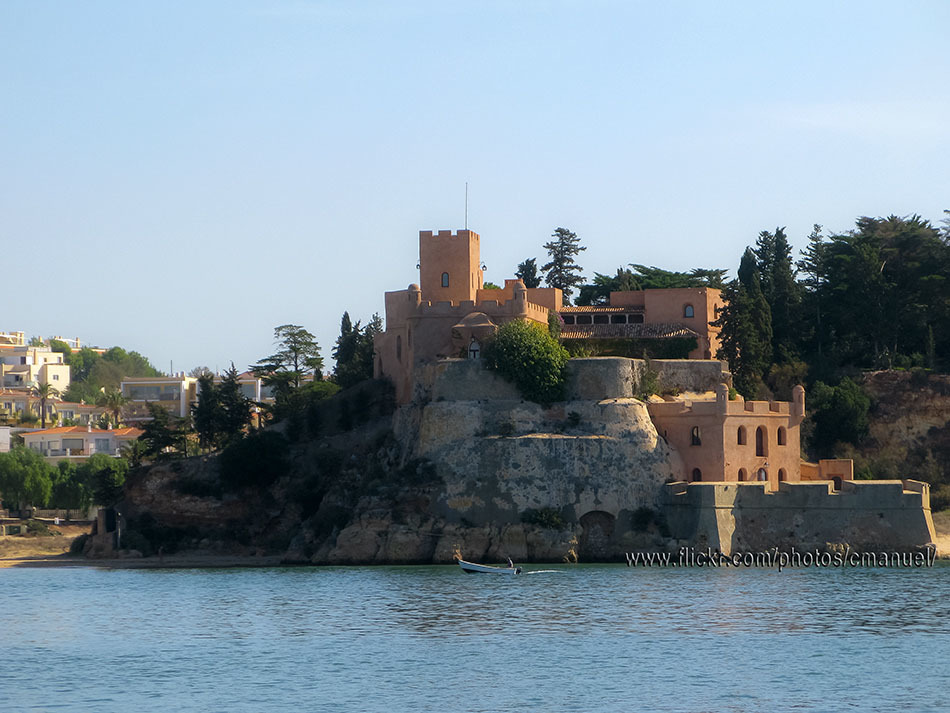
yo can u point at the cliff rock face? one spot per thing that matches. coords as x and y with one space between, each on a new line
516 479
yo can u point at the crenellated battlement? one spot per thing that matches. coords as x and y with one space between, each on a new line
447 235
888 514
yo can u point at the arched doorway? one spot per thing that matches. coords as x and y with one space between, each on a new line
762 475
782 475
697 475
597 528
743 475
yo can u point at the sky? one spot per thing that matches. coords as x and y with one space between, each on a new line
179 178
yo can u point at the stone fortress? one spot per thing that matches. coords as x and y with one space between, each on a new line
725 473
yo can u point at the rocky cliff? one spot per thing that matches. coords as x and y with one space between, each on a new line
466 468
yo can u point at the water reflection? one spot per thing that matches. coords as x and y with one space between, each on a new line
431 638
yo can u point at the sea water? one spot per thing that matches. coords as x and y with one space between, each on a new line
583 638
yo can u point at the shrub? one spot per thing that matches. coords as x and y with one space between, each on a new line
840 413
526 354
548 518
258 459
78 544
39 529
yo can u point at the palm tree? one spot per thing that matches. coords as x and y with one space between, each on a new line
44 392
114 401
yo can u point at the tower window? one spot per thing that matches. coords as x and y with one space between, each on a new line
694 437
445 279
781 436
688 311
474 349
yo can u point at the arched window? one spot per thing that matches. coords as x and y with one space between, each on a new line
695 440
742 475
740 436
697 475
445 279
761 441
782 475
781 436
763 475
688 311
398 347
474 349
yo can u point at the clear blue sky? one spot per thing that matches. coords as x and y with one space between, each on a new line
179 178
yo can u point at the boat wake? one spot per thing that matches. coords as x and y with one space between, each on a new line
542 571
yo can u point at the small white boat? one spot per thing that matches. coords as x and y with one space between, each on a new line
469 567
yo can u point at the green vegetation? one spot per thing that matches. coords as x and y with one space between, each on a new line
562 271
526 354
354 351
527 272
222 412
674 348
297 356
27 479
642 277
256 460
90 373
548 518
44 392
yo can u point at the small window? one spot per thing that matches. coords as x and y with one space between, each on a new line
618 319
740 436
697 475
781 436
634 319
742 475
568 319
584 319
601 319
694 437
688 311
55 377
474 349
761 442
445 279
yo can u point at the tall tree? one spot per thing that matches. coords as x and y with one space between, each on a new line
113 400
297 355
44 392
235 408
781 291
354 351
206 412
746 328
162 433
562 271
527 272
25 477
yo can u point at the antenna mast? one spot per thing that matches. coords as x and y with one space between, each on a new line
466 205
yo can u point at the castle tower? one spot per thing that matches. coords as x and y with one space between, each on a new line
449 265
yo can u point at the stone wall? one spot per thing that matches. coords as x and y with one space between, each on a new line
593 379
866 515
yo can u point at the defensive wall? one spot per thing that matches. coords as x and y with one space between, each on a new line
589 379
882 515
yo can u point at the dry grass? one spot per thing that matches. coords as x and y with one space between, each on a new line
17 547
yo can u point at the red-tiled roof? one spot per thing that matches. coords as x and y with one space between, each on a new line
628 331
600 309
62 430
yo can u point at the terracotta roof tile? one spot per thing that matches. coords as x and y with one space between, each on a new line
628 331
601 309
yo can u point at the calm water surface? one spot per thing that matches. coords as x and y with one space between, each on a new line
587 638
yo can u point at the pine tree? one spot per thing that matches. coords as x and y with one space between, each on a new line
562 271
206 412
235 408
527 272
746 328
